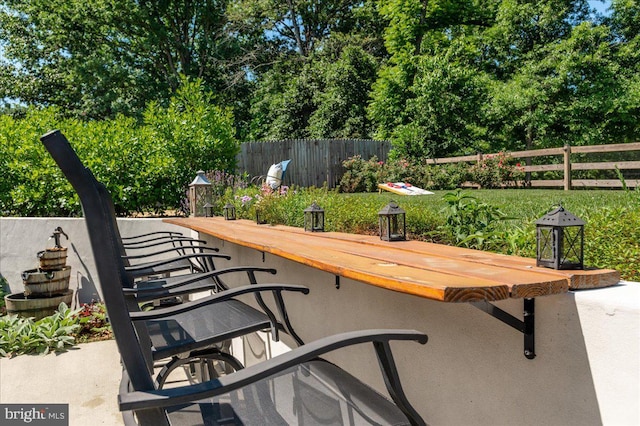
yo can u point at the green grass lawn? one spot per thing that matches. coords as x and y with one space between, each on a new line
525 204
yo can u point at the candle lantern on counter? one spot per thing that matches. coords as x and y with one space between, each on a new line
199 194
314 218
229 211
560 240
392 222
208 210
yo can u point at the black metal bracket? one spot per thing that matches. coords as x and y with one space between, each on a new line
526 326
338 282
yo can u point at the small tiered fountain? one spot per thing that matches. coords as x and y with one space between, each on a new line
45 287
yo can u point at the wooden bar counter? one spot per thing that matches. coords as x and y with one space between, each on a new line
433 271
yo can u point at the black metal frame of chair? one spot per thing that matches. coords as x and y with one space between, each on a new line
307 384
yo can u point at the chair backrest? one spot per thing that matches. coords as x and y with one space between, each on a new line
109 264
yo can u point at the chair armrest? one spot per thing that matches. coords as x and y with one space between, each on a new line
201 249
180 395
192 278
147 265
215 298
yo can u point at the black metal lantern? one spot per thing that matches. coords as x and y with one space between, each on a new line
208 210
392 222
560 240
229 211
199 194
314 218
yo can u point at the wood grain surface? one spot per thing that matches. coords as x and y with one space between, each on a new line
433 271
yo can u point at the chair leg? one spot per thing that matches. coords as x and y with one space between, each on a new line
201 366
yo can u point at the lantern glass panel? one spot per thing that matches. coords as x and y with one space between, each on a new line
384 228
395 227
572 238
260 219
208 210
546 244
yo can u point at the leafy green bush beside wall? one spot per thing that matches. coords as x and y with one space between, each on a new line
145 166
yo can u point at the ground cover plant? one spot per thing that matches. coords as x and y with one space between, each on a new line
54 333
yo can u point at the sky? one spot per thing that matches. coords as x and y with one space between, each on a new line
601 6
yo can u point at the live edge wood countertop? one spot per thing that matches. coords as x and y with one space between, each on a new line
434 271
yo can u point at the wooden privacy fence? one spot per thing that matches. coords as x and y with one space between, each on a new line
567 166
313 161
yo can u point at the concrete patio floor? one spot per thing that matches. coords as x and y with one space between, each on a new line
86 377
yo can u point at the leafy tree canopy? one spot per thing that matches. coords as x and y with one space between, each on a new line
438 78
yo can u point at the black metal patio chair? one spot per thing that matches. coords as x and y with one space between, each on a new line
192 331
189 255
298 387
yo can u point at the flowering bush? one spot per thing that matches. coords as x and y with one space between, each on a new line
361 175
249 200
93 321
496 171
221 180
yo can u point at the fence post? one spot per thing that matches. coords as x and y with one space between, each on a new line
479 158
567 167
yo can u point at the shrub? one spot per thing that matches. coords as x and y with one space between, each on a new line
471 223
495 171
23 335
145 166
446 176
4 290
492 172
361 175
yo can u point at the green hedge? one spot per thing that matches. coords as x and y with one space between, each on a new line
146 166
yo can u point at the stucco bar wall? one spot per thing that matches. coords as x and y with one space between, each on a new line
472 370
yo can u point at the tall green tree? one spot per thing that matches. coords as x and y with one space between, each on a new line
347 80
100 58
505 74
299 25
561 84
427 96
321 90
